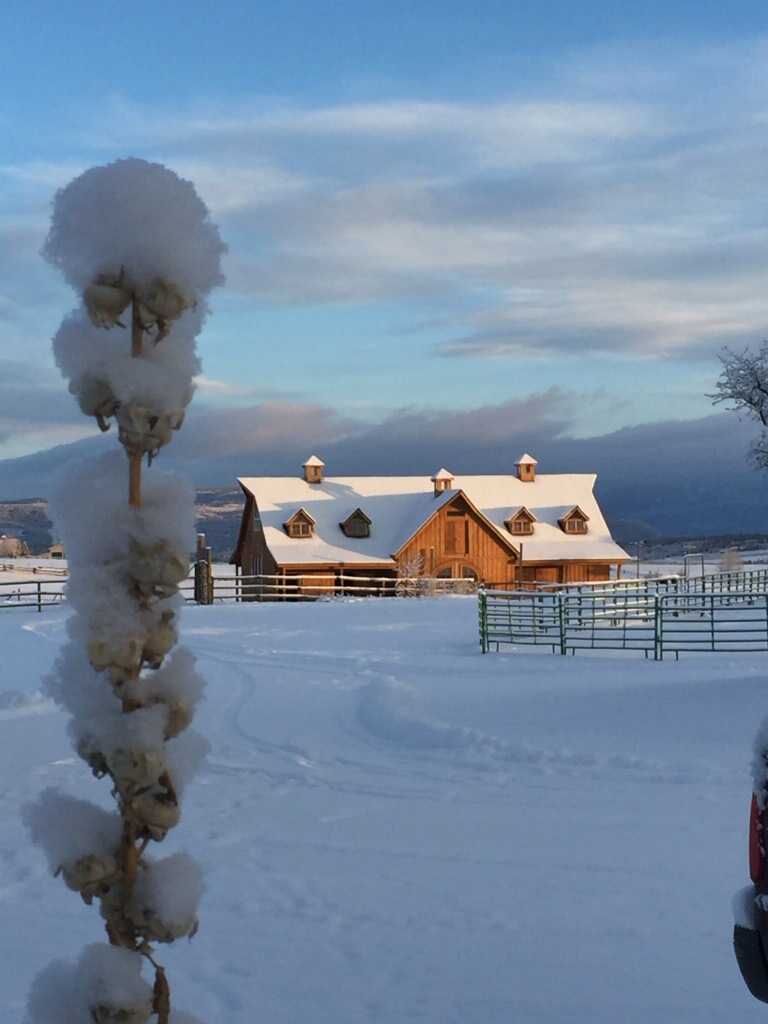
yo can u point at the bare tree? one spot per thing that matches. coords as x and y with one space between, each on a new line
743 383
731 561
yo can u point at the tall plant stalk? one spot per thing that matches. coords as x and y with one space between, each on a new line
132 695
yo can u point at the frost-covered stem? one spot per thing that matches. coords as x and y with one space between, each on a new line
129 852
137 341
130 859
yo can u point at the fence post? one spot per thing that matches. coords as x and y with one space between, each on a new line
658 628
203 572
39 596
203 582
208 576
712 631
561 615
483 613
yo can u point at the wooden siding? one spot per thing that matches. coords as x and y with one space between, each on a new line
458 539
252 555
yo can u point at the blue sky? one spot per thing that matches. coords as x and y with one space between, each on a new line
551 210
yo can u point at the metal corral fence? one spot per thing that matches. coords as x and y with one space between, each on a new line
740 580
657 623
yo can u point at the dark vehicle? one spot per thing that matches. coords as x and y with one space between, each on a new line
750 940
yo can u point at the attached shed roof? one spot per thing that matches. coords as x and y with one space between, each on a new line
399 505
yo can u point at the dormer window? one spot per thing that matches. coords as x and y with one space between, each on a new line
521 523
300 525
356 525
575 522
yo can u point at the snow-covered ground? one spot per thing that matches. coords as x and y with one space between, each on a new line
396 828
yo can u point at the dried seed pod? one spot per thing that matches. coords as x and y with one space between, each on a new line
94 758
179 718
146 432
147 923
136 428
160 640
91 875
118 656
160 302
134 771
156 569
113 909
106 298
103 1013
155 814
154 929
95 398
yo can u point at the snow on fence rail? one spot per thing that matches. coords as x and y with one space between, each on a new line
25 568
34 593
313 587
655 623
203 586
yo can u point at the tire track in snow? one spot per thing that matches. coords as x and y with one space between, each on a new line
386 712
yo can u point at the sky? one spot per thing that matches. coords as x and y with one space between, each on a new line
551 212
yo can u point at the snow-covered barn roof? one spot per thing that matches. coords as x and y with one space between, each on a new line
399 505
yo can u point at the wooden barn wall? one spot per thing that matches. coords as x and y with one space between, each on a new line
254 554
460 540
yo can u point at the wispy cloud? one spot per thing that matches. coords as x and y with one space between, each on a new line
615 209
619 213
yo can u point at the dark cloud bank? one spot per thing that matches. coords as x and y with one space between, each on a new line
676 478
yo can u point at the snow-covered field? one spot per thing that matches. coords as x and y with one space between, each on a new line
396 828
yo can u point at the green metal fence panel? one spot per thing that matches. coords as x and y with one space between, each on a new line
520 617
654 624
619 621
728 622
482 608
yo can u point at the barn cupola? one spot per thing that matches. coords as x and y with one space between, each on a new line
313 470
443 481
526 469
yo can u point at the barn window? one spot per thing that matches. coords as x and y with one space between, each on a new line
575 522
300 525
521 523
357 525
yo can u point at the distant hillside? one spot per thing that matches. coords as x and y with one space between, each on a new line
218 517
219 510
28 520
676 547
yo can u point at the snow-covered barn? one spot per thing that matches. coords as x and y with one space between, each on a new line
507 530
